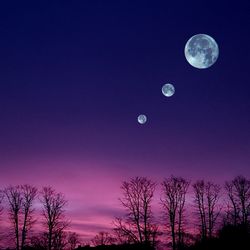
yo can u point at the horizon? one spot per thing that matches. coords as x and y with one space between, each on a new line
88 221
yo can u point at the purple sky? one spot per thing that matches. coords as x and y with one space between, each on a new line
75 76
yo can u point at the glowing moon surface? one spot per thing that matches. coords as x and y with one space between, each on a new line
168 89
201 51
142 119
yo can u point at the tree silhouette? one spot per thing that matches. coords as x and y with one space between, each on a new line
14 197
29 194
238 191
60 239
206 201
73 240
1 201
137 199
54 218
39 242
137 230
1 208
173 201
233 213
103 239
20 200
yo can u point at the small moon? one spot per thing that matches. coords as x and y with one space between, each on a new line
201 51
142 119
168 89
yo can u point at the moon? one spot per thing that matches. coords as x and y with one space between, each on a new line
201 51
142 119
168 89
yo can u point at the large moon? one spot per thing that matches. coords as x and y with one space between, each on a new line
201 51
142 119
168 89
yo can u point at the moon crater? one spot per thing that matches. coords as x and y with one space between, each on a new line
168 89
142 119
201 51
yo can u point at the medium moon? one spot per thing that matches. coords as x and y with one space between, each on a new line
142 119
201 51
168 89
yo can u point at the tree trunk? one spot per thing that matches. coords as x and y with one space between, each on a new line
17 232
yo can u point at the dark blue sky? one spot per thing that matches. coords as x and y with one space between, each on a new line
74 75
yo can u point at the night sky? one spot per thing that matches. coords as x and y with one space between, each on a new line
74 76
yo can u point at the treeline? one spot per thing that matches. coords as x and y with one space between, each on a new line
221 212
220 216
20 202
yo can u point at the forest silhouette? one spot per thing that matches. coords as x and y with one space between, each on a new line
220 214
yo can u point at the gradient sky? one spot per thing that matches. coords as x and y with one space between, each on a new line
74 76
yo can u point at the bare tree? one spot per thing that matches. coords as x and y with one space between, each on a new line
137 200
122 232
28 196
14 197
173 201
126 231
233 213
206 201
60 239
39 242
54 215
103 239
238 191
73 240
212 195
199 191
1 207
1 201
